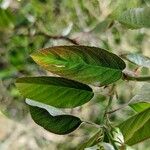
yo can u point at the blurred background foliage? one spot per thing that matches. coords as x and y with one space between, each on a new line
29 25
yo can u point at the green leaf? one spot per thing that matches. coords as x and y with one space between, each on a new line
147 2
86 64
55 91
52 119
102 26
119 6
141 100
135 18
141 135
140 106
95 139
138 59
136 128
7 19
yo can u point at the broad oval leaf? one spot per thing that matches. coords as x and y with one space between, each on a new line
136 128
52 119
136 18
86 64
138 59
55 91
141 100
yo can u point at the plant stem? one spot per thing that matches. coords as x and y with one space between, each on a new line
109 103
112 111
107 108
111 139
92 123
106 120
127 76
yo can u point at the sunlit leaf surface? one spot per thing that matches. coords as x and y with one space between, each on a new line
55 91
86 64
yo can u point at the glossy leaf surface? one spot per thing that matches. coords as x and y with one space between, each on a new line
89 65
55 91
52 119
136 128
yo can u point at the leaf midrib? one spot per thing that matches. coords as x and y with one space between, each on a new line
72 63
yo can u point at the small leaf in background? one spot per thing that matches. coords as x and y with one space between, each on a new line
95 139
119 6
135 18
67 30
116 35
55 91
52 119
147 2
6 19
90 65
138 59
141 101
102 26
136 128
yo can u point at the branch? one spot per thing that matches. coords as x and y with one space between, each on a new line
57 37
112 111
111 94
92 123
132 77
108 105
112 141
